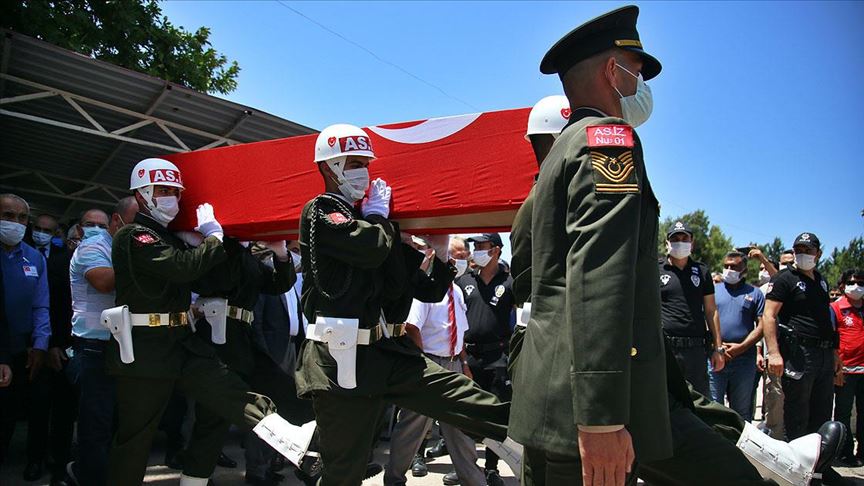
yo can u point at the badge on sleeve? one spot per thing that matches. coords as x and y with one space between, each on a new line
664 280
143 238
612 159
337 218
696 280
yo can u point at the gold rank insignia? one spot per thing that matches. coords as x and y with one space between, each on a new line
614 174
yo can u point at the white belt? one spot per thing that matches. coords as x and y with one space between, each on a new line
172 319
365 337
241 314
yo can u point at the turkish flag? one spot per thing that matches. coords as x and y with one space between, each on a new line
459 174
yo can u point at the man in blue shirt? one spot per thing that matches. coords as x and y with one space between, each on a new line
25 294
740 307
92 280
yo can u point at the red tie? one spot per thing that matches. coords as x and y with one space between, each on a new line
451 314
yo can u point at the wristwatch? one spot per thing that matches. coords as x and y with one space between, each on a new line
720 350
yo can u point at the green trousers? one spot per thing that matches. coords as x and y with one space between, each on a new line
704 453
347 422
141 402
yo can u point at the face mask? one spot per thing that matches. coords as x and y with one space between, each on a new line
854 292
57 241
461 267
764 277
482 258
295 257
804 261
356 181
730 276
11 233
41 239
679 249
166 209
636 108
91 231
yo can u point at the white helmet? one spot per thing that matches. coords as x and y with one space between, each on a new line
549 116
342 140
155 172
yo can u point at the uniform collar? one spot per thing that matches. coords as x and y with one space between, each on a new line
150 223
583 112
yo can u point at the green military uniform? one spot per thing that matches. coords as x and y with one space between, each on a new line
154 274
240 279
359 268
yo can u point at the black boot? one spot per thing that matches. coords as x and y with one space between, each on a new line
438 450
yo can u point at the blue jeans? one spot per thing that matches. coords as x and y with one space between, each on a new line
735 382
96 410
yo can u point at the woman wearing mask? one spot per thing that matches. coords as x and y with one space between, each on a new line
848 316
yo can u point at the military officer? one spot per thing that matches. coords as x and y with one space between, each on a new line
154 349
597 228
360 277
234 286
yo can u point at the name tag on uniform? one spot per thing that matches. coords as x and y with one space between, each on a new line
30 271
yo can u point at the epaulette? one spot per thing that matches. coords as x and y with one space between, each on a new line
333 211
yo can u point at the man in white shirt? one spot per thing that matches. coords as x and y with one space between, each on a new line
438 329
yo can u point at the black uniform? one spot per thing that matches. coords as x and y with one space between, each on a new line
807 341
682 292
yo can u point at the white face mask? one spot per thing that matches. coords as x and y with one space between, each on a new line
166 209
353 183
461 267
636 108
11 233
805 262
295 257
764 277
854 292
730 276
679 249
41 239
482 257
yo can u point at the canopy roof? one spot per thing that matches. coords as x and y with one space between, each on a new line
72 127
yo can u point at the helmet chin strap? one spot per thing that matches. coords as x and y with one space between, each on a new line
336 165
147 193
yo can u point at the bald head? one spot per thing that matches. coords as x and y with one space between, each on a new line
124 213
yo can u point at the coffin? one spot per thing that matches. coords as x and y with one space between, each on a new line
459 174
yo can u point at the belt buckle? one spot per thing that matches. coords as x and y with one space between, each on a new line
154 320
176 320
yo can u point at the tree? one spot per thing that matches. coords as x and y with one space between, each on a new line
129 33
842 259
710 244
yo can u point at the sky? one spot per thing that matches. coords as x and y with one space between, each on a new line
756 112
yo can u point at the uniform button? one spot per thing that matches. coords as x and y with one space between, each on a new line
633 351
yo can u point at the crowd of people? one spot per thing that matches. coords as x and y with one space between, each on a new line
604 363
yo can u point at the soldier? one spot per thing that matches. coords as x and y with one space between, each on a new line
361 275
227 298
154 349
597 218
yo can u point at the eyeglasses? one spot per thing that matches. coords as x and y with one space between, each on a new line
855 282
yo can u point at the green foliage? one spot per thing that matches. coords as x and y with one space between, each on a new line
129 33
710 244
842 259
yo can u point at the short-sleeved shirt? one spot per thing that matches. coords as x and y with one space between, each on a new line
87 302
740 308
805 303
489 307
433 320
682 292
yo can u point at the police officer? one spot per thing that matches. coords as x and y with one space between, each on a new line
361 276
687 292
232 290
802 342
488 291
155 273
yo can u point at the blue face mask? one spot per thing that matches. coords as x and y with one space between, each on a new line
91 231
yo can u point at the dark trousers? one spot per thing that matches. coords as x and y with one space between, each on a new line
494 381
347 424
844 396
693 362
141 402
96 399
808 388
49 405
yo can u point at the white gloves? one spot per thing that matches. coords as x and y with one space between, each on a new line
279 248
378 200
190 238
207 224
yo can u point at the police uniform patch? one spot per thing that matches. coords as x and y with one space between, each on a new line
612 159
499 291
696 280
824 285
769 288
802 286
469 289
664 279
